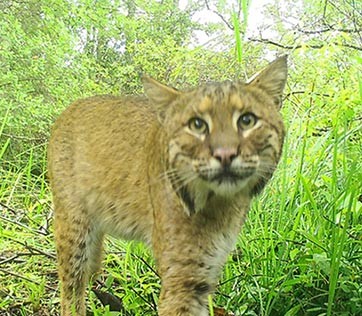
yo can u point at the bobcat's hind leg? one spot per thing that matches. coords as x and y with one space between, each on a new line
79 248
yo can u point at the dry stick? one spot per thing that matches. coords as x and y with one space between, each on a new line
17 223
39 231
7 272
9 259
33 249
8 208
19 255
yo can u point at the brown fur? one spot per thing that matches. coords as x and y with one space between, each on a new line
143 168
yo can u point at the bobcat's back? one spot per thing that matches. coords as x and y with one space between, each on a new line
97 158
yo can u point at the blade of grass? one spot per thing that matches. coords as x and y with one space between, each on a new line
4 147
211 307
238 43
7 142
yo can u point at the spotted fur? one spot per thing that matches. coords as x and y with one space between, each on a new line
175 169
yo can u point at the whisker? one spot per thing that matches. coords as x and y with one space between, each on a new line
178 177
270 168
185 182
165 175
180 182
177 188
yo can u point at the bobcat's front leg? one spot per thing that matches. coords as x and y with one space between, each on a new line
184 295
190 253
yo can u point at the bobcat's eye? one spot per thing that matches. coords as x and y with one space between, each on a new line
198 125
247 121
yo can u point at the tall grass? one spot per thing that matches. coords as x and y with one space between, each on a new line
238 31
299 252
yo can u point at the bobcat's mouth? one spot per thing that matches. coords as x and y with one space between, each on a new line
226 175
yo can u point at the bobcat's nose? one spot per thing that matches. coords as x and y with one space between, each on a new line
225 155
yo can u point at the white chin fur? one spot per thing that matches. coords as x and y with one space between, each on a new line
226 188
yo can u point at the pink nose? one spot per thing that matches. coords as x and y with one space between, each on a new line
225 155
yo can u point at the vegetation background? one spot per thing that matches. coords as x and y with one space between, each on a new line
300 252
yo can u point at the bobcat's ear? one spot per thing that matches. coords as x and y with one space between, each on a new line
159 94
272 79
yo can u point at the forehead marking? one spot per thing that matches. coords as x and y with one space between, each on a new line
205 105
236 101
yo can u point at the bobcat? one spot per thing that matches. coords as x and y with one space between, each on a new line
176 170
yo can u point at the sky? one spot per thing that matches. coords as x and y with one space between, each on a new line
255 18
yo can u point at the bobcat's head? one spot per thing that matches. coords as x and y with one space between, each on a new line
223 137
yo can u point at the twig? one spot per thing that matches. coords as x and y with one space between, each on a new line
268 41
23 254
7 272
303 92
41 231
219 15
8 208
9 259
33 249
17 223
329 29
146 264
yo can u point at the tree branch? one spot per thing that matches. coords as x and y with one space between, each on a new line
329 29
326 95
270 42
219 15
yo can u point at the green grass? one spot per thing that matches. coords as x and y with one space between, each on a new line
299 252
